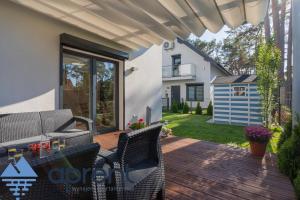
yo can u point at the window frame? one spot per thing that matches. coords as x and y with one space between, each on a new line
64 50
239 92
194 86
174 57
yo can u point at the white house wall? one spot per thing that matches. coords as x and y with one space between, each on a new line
213 73
296 59
203 72
144 84
29 59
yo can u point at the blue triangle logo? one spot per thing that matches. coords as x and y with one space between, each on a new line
19 177
21 169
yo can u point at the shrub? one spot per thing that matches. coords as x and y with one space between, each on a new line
174 107
181 104
186 108
286 157
198 109
297 184
289 155
286 133
210 109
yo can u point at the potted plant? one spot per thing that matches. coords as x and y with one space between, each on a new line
138 124
165 132
258 137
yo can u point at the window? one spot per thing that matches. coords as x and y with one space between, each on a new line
239 91
195 92
176 60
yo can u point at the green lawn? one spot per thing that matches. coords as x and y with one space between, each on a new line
195 126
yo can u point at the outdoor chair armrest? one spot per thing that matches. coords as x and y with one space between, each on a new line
109 156
88 122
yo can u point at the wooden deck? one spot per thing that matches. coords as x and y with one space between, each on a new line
203 170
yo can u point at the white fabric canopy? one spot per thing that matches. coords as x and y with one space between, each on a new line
141 23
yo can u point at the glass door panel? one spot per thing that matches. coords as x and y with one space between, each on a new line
77 84
105 95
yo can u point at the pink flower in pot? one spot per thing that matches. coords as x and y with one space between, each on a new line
258 137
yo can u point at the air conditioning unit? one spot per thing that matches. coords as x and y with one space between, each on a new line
168 45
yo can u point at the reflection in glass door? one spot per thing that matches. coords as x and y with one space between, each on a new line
76 84
105 95
89 89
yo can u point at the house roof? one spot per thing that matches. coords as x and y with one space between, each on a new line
204 55
137 23
235 79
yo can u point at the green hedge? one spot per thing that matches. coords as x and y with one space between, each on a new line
289 154
297 184
286 133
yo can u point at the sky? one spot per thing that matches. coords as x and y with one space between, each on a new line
208 36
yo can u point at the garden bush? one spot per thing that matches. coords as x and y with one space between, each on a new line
210 109
296 183
289 154
287 132
181 104
174 107
198 109
186 108
287 157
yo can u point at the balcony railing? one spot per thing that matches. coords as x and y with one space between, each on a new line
181 72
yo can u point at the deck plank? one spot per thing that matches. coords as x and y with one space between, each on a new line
203 170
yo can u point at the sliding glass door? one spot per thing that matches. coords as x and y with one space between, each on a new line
90 89
77 84
105 95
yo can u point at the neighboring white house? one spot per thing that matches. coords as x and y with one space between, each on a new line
187 73
73 54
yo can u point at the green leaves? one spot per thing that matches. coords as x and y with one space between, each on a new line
267 64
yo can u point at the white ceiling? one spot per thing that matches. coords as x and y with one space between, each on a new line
141 23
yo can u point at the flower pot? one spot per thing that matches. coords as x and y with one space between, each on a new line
258 149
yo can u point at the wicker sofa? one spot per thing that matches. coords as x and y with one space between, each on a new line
137 164
24 128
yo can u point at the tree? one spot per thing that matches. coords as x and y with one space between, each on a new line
276 24
289 65
267 26
186 108
174 107
198 109
212 48
210 109
267 65
237 51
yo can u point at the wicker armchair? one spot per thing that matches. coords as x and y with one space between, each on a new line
137 165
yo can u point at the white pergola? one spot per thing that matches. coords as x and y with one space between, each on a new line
141 23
